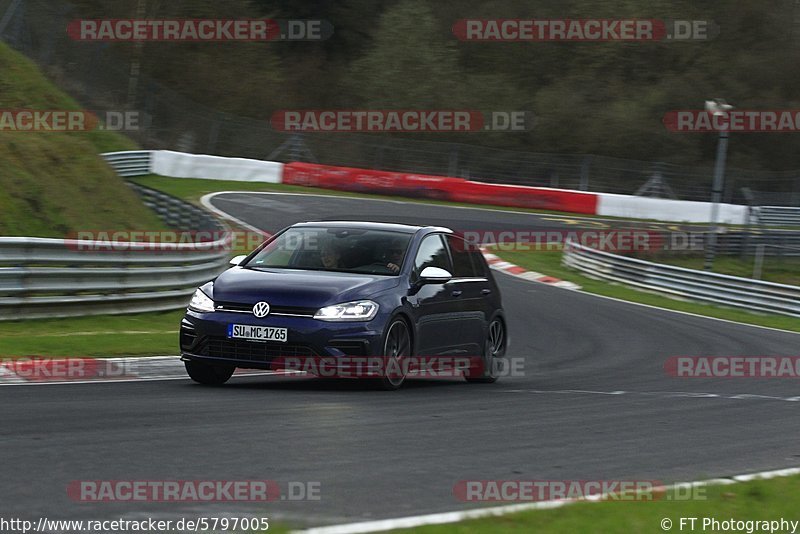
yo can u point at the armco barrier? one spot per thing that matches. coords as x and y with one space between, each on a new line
686 283
437 187
61 278
175 212
129 163
778 216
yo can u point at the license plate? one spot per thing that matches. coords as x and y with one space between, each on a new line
257 333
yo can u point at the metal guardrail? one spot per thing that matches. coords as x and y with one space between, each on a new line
778 243
129 163
60 277
42 278
778 216
703 286
175 212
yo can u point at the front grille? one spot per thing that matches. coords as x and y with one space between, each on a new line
253 351
238 307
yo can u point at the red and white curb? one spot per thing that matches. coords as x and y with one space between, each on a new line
498 263
39 370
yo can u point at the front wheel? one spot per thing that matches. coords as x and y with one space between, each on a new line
493 351
207 374
396 350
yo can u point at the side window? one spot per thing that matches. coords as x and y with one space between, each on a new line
432 253
463 266
478 261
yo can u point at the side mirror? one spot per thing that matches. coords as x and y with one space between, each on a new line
434 275
238 259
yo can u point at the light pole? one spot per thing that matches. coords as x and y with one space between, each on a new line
717 108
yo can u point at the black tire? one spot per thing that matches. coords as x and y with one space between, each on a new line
396 347
494 348
207 374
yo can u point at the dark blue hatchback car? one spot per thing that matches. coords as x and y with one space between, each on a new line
338 294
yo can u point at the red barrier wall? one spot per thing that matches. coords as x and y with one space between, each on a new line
437 187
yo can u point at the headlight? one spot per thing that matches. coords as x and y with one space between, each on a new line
361 310
201 303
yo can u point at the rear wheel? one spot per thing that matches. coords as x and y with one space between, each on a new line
494 349
207 374
396 350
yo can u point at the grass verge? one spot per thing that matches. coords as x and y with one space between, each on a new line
775 269
759 500
549 262
141 334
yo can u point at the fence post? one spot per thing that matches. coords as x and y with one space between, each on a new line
796 192
452 163
758 263
213 135
584 184
554 179
744 243
378 160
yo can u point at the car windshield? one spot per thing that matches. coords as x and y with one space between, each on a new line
349 250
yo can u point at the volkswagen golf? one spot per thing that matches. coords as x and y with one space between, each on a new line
343 293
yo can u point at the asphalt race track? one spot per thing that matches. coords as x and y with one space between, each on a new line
594 404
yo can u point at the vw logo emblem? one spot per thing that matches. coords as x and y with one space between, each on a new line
261 309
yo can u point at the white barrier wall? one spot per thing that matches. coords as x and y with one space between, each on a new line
181 165
667 210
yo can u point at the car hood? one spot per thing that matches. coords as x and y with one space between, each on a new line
285 287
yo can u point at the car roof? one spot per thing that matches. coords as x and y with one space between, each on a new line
369 225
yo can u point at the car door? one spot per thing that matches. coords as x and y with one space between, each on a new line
469 282
437 305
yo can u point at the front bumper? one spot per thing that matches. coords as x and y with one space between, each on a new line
203 337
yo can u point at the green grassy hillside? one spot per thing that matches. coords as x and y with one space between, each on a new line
53 183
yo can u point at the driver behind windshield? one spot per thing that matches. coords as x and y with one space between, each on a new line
329 255
394 256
